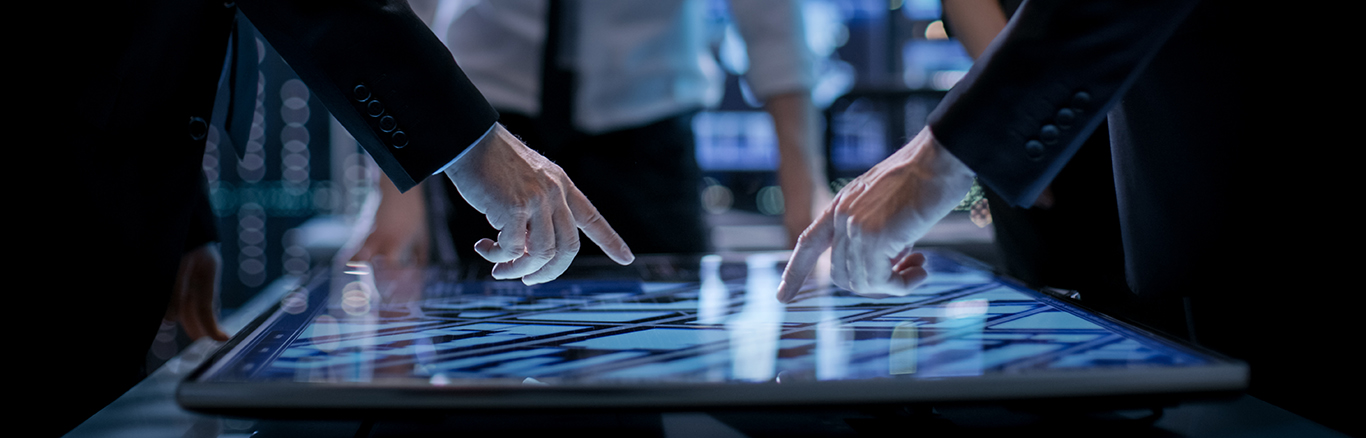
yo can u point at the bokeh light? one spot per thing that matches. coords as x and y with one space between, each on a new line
294 302
716 198
769 200
356 298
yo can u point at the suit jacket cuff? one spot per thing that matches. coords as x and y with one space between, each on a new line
1044 85
383 75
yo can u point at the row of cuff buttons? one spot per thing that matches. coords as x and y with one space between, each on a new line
375 109
1049 134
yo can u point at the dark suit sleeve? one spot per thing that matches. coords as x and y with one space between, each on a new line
1044 85
383 75
203 224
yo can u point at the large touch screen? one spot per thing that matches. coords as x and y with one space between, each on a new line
717 322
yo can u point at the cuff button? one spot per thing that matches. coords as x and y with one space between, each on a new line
400 139
1065 118
1081 100
1049 134
198 128
1034 150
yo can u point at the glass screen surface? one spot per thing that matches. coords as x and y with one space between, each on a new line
716 321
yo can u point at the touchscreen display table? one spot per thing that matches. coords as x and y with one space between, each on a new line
682 332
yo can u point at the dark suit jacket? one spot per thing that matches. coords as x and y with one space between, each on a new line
126 90
1211 196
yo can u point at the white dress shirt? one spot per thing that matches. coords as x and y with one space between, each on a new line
635 61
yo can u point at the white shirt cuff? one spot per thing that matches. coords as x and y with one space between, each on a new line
467 150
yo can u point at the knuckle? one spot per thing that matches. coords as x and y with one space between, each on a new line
594 219
858 224
844 206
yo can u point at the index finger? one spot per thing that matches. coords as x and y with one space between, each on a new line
815 240
587 218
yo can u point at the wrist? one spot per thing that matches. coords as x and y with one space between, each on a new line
453 167
942 162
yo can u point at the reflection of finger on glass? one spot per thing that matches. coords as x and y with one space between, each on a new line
358 268
901 357
909 278
966 308
910 261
